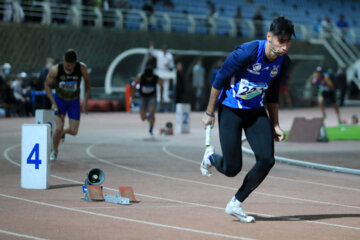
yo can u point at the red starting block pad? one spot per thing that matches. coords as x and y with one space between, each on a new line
94 193
127 192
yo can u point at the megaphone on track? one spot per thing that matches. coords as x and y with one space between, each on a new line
95 176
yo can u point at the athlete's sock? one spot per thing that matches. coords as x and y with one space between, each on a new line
236 202
151 129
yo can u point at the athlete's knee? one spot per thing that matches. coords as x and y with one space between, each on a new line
73 131
267 163
232 171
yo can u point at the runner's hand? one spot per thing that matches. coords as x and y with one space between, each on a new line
279 134
208 120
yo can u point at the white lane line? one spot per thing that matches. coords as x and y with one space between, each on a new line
221 208
88 151
21 235
204 205
125 219
165 149
7 157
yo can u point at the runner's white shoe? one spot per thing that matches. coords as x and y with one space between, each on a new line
234 209
205 166
53 156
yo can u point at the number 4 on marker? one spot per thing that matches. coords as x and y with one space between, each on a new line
35 152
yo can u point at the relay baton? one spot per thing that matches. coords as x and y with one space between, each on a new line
208 135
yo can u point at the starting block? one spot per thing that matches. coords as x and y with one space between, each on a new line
124 196
168 130
127 192
93 193
308 130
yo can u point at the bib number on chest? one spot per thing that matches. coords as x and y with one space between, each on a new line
249 90
69 86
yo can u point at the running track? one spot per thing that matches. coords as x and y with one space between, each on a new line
176 202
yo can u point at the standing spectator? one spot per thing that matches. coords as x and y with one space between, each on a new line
8 11
326 27
238 21
43 100
212 16
198 72
317 27
341 83
284 94
215 71
179 82
6 97
164 64
6 73
23 103
258 23
343 25
148 8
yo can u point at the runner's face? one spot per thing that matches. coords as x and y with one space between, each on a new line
69 67
279 46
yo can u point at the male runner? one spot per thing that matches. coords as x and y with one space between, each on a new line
65 78
147 88
253 69
326 92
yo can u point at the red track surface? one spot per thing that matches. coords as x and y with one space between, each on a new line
176 202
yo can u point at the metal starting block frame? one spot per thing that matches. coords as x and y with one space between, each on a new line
118 199
94 193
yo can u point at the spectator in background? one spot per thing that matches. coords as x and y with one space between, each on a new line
6 73
341 83
284 94
148 8
317 27
343 25
164 63
326 27
326 92
258 23
23 103
215 71
212 16
6 98
198 72
43 100
179 82
238 21
8 11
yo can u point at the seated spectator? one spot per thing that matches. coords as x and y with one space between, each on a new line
23 103
6 98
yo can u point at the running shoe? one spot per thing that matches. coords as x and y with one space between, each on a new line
234 209
53 156
206 166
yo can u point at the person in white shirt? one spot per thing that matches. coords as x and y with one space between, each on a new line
164 64
198 72
23 104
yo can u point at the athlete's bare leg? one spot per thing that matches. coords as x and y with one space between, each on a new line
59 122
73 127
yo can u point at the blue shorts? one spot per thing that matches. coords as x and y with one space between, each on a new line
72 107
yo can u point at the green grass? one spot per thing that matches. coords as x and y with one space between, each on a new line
344 132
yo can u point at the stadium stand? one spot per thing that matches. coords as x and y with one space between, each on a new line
187 16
